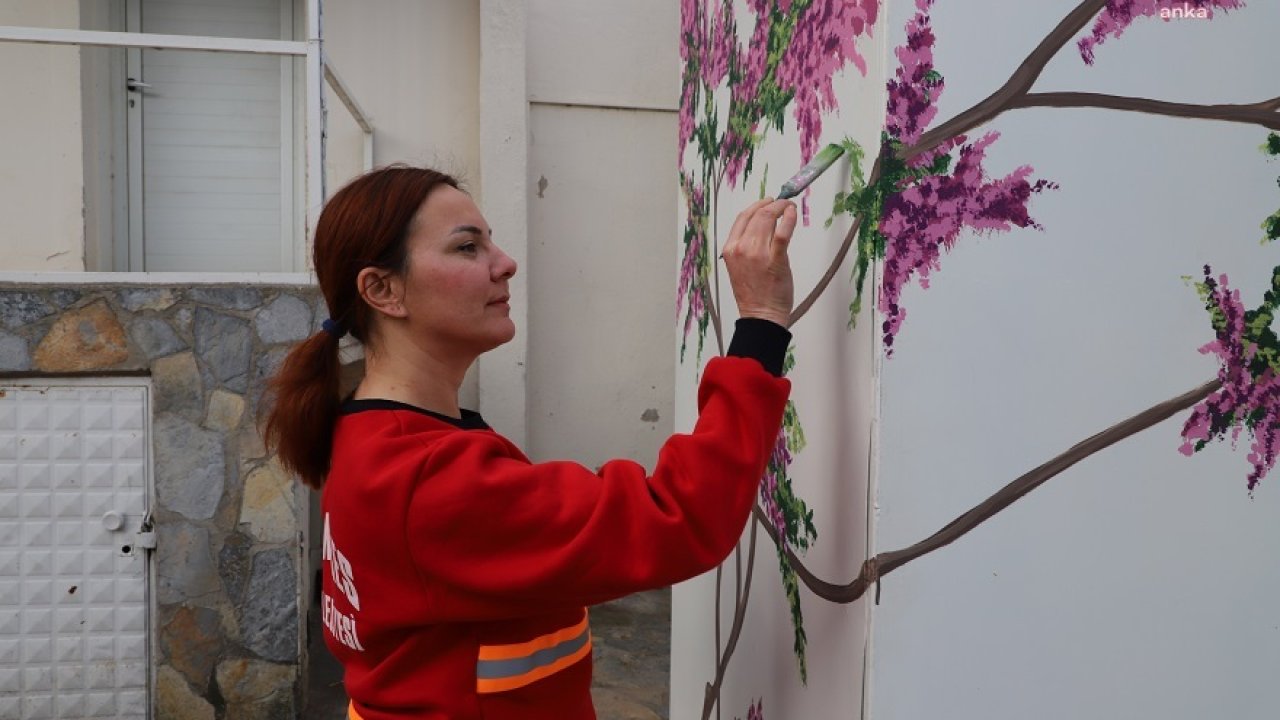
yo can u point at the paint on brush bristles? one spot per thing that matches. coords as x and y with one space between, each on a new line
810 171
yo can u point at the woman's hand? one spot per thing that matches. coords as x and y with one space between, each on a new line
756 257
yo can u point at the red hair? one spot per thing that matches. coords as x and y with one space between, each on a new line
365 224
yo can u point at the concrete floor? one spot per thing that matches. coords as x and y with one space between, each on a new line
632 651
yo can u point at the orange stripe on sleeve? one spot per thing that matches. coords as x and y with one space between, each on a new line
511 683
524 649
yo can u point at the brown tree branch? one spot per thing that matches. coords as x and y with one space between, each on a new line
884 563
712 697
840 255
1016 93
1259 113
1018 84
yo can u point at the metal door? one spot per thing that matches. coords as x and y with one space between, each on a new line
211 141
74 479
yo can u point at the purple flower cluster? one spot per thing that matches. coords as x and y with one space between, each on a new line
744 91
694 263
708 43
822 43
779 461
915 85
927 215
1118 14
755 711
1245 399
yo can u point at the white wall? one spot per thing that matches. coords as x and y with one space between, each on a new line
415 68
1140 583
603 83
41 167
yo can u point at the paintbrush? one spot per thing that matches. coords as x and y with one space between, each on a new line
810 171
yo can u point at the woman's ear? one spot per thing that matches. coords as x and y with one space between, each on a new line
382 290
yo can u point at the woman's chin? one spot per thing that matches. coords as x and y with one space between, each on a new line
504 335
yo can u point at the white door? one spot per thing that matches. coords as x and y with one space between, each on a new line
73 578
212 136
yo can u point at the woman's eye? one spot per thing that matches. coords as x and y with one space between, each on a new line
468 247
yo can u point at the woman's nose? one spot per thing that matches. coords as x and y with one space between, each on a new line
505 267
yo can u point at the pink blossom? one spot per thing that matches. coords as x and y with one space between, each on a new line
927 215
688 99
1118 14
695 264
755 711
744 114
915 86
823 42
1247 399
779 461
721 45
691 39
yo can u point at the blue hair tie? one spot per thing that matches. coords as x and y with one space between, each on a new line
333 328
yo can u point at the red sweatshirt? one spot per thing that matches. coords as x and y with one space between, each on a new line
456 572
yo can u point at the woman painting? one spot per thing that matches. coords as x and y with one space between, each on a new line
456 571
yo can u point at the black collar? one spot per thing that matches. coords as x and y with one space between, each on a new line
470 419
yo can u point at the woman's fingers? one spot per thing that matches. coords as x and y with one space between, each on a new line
756 226
756 257
785 228
740 222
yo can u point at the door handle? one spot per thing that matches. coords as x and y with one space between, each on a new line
136 85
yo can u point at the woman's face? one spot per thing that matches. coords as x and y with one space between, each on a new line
455 286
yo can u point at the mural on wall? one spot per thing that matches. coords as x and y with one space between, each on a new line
759 73
774 76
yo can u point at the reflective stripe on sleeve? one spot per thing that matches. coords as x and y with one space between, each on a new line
507 667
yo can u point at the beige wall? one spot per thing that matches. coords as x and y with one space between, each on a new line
41 167
415 68
602 223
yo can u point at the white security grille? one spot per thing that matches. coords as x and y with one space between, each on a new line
73 588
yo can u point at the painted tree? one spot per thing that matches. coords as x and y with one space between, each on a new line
927 188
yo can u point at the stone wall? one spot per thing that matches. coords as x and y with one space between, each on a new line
230 522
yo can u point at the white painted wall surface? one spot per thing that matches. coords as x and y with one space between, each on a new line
1140 583
41 163
501 374
604 52
834 391
601 179
602 302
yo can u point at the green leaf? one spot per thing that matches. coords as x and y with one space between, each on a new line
1271 228
791 587
1272 145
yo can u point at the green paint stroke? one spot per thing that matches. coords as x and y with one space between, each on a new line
867 202
798 527
1271 226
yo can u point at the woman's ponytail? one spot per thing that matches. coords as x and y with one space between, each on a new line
305 411
365 224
